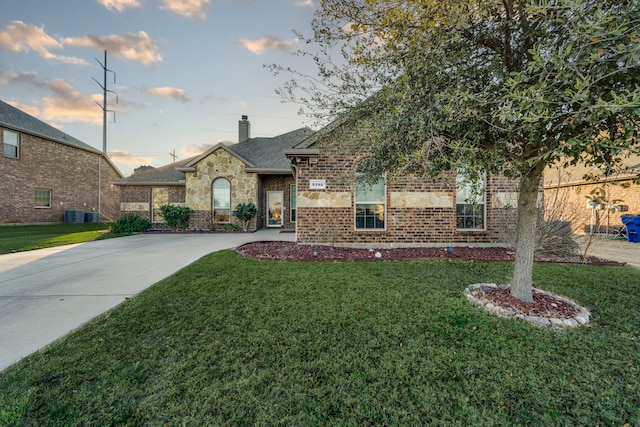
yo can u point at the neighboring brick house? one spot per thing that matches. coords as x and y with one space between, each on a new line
254 170
592 205
296 185
46 172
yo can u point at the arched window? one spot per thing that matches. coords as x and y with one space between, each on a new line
221 196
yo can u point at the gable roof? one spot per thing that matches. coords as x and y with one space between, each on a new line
18 120
164 175
260 155
268 153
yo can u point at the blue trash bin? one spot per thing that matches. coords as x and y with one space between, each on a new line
632 222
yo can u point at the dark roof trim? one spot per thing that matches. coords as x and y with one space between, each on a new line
302 152
152 184
268 171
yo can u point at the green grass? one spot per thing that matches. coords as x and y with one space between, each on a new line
233 341
17 238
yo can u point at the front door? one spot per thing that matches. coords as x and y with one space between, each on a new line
275 200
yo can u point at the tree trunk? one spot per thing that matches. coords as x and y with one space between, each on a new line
522 280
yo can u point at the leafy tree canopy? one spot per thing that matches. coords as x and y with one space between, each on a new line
508 87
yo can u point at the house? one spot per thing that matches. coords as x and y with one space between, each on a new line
592 205
336 206
46 172
254 170
296 184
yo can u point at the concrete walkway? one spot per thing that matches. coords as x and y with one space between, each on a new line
614 250
45 294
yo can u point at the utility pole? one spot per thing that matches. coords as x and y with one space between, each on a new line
105 109
173 155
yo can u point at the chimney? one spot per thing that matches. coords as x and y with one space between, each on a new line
244 129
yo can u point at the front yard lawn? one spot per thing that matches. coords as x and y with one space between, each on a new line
235 341
17 238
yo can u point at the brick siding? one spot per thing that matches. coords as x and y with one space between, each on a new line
329 215
71 174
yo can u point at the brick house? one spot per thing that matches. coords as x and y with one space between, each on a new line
297 185
254 170
335 206
592 205
46 172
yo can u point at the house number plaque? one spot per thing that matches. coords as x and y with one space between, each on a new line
317 184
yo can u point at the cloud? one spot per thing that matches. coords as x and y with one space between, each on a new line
305 3
69 105
194 9
19 37
138 47
63 104
260 45
168 92
119 5
195 149
129 159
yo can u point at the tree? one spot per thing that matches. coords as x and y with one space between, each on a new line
245 212
506 87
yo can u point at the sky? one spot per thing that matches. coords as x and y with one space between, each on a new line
185 71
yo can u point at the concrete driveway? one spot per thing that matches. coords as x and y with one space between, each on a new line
615 250
47 293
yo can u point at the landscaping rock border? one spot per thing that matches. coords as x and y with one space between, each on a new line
475 296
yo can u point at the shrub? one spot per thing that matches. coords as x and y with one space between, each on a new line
130 223
244 212
176 217
230 227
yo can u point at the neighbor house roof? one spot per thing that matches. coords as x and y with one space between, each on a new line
260 155
19 121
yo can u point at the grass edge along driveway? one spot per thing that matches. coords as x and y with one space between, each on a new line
18 238
234 341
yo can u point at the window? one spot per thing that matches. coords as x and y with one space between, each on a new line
293 201
42 198
159 197
221 200
11 143
371 202
471 202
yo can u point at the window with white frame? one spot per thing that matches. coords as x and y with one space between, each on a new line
371 204
11 144
293 201
471 201
221 200
42 198
159 197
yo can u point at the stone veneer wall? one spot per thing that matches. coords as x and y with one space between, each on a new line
71 174
419 210
219 164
